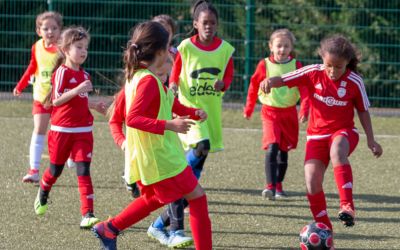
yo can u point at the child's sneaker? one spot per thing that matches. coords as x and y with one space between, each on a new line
40 204
346 215
88 221
268 194
178 239
281 194
106 234
158 234
32 176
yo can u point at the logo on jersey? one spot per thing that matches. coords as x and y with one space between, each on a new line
341 92
329 100
73 80
318 86
204 82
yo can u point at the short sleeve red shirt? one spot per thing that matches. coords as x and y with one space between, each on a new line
75 112
332 102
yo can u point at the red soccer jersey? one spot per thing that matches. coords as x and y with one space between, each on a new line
75 113
332 102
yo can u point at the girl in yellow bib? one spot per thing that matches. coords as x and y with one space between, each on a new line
153 151
202 72
43 59
278 114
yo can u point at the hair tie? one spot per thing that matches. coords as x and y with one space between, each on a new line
135 46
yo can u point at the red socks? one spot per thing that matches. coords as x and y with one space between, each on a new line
344 182
137 210
279 188
200 223
86 192
47 180
318 208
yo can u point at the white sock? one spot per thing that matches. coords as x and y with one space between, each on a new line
35 151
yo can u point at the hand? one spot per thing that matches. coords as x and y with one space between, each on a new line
84 87
174 88
123 145
375 148
16 92
219 85
100 107
264 86
202 114
179 124
303 119
247 117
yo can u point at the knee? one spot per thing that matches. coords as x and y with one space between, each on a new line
83 168
202 148
56 170
338 156
283 157
272 152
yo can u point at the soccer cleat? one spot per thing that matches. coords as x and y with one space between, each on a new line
32 176
346 215
106 235
88 221
158 234
268 194
178 239
40 204
281 194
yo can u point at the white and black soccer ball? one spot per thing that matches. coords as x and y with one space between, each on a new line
316 236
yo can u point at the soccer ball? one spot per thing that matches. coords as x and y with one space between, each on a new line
316 236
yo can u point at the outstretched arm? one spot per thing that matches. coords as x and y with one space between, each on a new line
365 121
272 82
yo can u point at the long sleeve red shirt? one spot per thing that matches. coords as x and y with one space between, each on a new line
255 81
32 68
117 118
176 70
146 104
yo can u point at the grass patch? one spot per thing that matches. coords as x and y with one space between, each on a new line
233 180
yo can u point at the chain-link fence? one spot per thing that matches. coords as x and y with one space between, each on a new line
372 25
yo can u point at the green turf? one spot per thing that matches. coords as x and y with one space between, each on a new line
233 180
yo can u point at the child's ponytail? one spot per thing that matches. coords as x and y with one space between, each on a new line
131 59
147 39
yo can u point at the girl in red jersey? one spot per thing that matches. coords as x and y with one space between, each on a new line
153 150
335 90
43 59
71 124
278 114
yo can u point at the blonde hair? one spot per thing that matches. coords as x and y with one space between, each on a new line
49 15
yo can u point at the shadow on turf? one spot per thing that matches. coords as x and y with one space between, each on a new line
294 194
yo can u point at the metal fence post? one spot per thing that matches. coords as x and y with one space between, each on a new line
50 5
248 44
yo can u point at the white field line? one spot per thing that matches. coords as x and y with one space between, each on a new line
257 130
241 130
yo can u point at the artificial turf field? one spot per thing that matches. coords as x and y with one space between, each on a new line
233 180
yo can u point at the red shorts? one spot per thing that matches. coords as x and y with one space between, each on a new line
280 125
38 108
319 149
171 189
63 145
